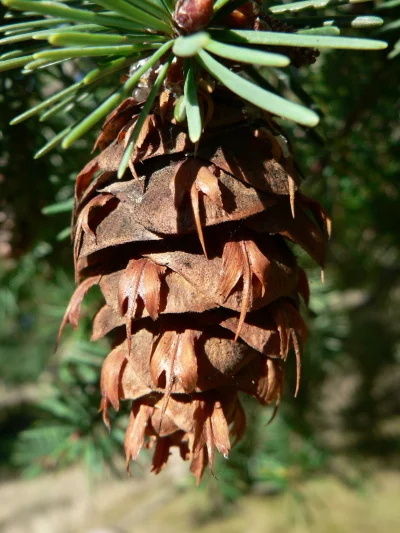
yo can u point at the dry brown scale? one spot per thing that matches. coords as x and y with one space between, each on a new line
190 251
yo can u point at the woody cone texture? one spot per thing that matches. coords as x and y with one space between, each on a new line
191 251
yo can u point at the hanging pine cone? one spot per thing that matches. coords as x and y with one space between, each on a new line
201 288
191 247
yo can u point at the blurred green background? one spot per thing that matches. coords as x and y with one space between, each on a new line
330 460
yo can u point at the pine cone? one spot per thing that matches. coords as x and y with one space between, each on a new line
201 289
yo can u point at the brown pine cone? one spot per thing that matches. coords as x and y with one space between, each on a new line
201 290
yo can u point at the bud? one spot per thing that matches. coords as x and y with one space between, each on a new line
193 15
